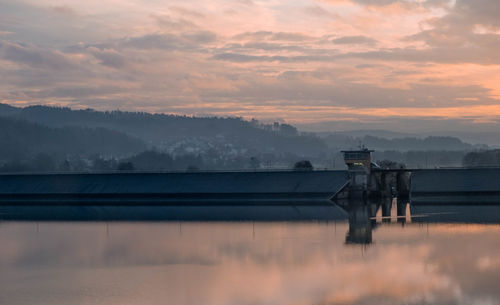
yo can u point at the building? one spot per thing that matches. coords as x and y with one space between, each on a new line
359 165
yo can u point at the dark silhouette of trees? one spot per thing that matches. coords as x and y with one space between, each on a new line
101 164
399 144
304 165
288 130
152 160
254 163
192 168
482 158
125 166
389 164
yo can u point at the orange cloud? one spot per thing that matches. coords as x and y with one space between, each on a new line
303 61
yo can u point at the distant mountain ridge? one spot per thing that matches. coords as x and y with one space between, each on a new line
397 127
34 137
163 130
21 139
231 136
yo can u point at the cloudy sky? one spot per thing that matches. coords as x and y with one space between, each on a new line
303 61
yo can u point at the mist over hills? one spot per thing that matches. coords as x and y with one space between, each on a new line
397 127
167 131
431 143
379 133
199 142
20 139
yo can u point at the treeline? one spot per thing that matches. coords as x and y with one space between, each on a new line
421 159
482 158
433 143
150 160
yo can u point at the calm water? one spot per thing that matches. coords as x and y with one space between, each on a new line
366 261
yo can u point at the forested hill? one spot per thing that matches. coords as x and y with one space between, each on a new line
8 110
20 139
89 139
221 136
163 130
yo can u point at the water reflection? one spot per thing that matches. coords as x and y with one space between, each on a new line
266 211
361 223
365 216
408 262
473 213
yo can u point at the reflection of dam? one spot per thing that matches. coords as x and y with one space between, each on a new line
365 217
170 212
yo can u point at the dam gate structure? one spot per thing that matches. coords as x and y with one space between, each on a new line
368 180
420 187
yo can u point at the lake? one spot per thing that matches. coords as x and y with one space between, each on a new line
367 259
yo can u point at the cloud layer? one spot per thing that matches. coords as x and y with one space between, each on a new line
304 61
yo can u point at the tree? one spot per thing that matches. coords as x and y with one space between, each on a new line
482 158
254 163
388 164
288 130
304 165
125 166
152 160
192 168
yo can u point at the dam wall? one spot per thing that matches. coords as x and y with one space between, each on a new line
474 186
213 188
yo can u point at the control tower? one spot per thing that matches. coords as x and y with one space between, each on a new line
359 164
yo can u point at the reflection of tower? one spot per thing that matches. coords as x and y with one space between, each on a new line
386 206
363 220
402 203
361 223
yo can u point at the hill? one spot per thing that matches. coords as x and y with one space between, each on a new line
181 132
20 139
181 142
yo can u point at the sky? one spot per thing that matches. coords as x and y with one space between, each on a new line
321 64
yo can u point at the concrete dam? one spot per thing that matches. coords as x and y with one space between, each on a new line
199 196
242 188
455 186
303 194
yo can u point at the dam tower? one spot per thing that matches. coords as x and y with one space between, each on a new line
359 166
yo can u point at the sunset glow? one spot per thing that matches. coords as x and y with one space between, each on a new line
302 61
